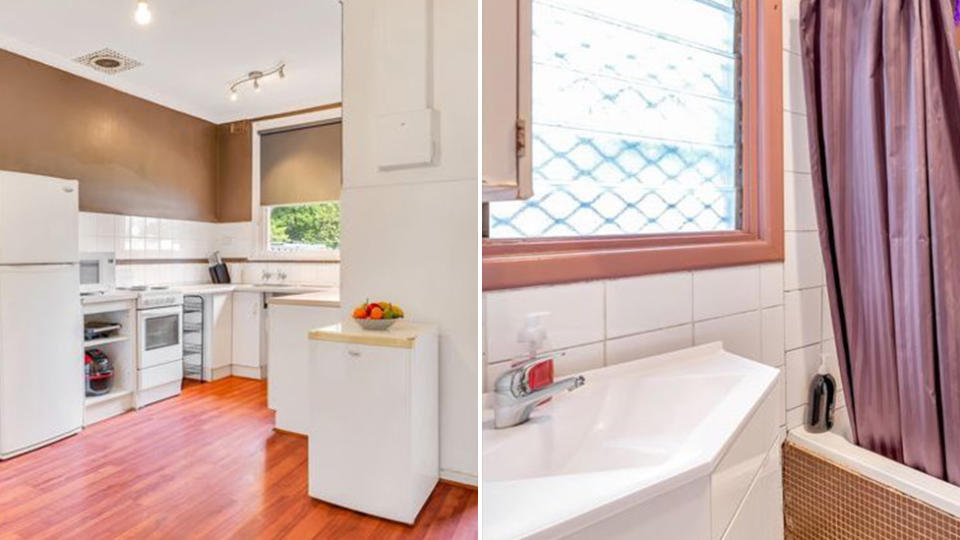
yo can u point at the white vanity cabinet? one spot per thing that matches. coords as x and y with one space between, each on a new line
248 333
373 437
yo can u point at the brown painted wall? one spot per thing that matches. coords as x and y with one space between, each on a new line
131 156
234 159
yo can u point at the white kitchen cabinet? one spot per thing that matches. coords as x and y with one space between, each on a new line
373 442
221 335
290 319
247 334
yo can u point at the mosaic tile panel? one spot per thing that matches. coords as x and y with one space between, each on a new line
826 501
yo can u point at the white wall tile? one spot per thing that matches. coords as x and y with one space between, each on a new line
630 348
724 291
795 417
152 227
801 318
565 363
121 226
740 334
794 98
138 226
803 262
104 243
771 284
828 350
799 210
771 339
165 228
801 366
576 316
121 247
646 303
841 422
826 316
88 243
87 224
105 225
791 26
796 152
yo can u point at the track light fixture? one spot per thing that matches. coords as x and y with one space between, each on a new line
257 78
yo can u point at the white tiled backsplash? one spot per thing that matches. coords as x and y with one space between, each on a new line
137 237
773 313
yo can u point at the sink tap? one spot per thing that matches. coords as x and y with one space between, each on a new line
514 400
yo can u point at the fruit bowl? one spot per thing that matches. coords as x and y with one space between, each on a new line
377 315
375 324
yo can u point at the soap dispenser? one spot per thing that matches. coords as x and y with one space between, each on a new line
822 394
534 334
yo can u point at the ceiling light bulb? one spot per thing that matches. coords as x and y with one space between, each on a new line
256 85
142 15
234 95
282 74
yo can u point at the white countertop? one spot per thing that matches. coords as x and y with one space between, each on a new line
111 296
402 334
318 293
324 298
222 288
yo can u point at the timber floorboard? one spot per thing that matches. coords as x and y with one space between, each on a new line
205 464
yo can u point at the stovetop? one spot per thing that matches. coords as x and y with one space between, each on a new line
155 297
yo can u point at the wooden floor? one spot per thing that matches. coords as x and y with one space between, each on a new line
206 464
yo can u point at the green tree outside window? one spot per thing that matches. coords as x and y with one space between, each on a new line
307 226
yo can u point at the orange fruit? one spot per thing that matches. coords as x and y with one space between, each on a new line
359 313
376 313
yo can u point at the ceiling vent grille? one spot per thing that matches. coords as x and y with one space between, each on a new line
108 61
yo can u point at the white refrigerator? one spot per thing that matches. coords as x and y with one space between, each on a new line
41 324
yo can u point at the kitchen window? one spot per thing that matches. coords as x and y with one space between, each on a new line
648 138
303 228
298 186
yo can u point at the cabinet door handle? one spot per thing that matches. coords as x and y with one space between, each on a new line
354 354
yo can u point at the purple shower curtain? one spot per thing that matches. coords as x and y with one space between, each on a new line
883 98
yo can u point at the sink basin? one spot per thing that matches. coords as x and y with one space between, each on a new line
634 431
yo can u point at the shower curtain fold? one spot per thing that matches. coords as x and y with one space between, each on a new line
883 92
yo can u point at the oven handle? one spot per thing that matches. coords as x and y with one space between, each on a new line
160 312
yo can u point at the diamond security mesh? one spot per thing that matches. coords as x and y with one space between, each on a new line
635 120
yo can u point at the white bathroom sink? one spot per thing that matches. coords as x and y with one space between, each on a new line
633 431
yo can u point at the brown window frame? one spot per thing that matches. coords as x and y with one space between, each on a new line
510 263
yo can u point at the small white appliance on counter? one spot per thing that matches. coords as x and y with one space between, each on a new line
159 345
41 327
97 271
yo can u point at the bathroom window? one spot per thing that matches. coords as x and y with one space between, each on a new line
651 138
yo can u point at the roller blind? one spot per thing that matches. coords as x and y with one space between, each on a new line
300 165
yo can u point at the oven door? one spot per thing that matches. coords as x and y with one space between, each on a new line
160 337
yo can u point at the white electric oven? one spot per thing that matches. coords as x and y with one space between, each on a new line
160 335
159 345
